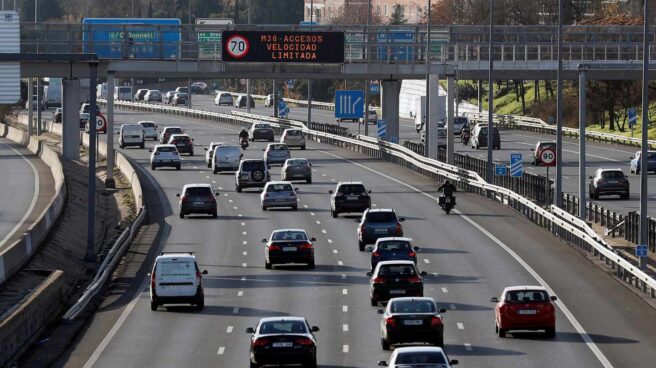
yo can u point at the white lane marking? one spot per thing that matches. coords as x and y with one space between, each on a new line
244 233
240 293
235 207
345 327
323 174
311 213
581 331
244 264
207 176
335 251
340 263
243 278
235 310
230 201
345 291
426 261
220 188
460 326
221 350
244 242
324 231
375 205
345 349
196 168
331 179
305 206
35 196
435 274
225 194
330 241
318 222
445 290
229 329
452 306
244 253
213 181
240 215
468 347
315 170
344 308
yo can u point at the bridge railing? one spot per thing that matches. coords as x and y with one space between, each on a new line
374 44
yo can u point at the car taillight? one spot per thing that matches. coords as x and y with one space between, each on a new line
156 153
414 280
306 246
379 280
390 322
212 198
339 194
436 321
198 277
375 254
362 228
412 254
184 198
152 281
174 142
504 309
261 342
549 308
267 195
274 247
303 341
399 230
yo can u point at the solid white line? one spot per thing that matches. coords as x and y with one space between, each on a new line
35 196
229 329
460 326
221 350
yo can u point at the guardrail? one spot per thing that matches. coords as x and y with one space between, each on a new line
559 224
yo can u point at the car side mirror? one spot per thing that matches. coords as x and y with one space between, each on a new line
313 239
314 329
382 363
380 311
204 272
442 310
150 150
416 248
553 298
297 189
192 139
369 273
263 150
177 194
118 133
494 299
309 164
250 330
205 148
453 362
356 220
331 191
369 191
401 219
217 194
423 273
589 177
264 240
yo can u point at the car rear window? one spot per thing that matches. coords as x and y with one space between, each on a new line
262 126
381 217
297 162
198 191
394 270
289 235
394 245
351 189
252 165
147 125
278 147
166 149
412 306
612 175
173 130
294 133
547 145
527 296
277 327
651 156
420 358
229 150
176 269
279 188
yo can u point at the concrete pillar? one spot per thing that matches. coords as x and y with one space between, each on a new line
435 111
109 181
582 163
450 105
30 109
391 90
39 96
71 119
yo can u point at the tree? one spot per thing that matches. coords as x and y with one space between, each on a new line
397 16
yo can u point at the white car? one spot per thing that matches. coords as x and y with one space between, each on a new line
176 279
226 158
164 155
268 101
209 152
131 135
150 129
293 138
278 194
223 98
418 356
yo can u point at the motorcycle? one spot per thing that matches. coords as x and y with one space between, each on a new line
447 203
464 138
244 142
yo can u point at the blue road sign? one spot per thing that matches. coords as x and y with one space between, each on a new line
349 104
516 165
307 24
500 170
633 117
382 128
641 250
148 38
290 83
392 45
283 110
394 140
374 88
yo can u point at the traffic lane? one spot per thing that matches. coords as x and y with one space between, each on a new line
25 190
374 321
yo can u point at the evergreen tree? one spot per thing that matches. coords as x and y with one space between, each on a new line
397 16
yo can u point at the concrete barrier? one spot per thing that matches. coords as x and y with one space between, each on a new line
23 324
13 257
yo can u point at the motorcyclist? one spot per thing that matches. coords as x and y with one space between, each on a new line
447 188
465 134
243 134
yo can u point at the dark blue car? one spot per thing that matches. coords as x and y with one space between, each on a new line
393 249
378 223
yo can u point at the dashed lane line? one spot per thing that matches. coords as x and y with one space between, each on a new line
221 350
445 290
460 326
229 329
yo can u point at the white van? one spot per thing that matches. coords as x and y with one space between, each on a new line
123 93
131 135
176 279
226 158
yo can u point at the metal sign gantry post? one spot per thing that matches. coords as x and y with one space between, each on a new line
91 193
558 190
644 146
490 97
582 163
109 181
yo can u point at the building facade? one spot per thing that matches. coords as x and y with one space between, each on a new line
326 10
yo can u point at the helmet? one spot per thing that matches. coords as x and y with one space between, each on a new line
447 181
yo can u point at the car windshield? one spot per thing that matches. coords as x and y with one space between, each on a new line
278 327
289 235
294 133
252 165
166 149
527 296
421 358
198 191
385 216
612 175
278 147
180 138
262 126
397 270
351 189
146 124
393 245
279 188
297 162
412 306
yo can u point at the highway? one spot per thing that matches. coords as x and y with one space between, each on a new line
25 189
470 257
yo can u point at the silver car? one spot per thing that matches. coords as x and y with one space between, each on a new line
278 194
293 138
276 153
297 169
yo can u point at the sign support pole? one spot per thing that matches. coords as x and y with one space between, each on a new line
644 146
548 190
582 163
91 177
109 181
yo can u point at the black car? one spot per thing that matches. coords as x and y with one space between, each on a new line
283 340
609 182
392 279
197 198
378 223
261 131
57 115
288 246
411 320
349 197
393 249
183 143
167 133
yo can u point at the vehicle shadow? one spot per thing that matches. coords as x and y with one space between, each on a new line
572 337
481 215
423 250
450 279
461 307
217 310
282 279
474 350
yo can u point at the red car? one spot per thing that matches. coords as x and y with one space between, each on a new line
525 308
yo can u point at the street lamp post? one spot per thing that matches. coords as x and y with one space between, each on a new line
309 82
368 82
490 98
644 146
248 81
558 190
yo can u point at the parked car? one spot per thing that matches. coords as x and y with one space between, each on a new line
140 94
539 147
479 138
183 143
58 115
297 169
276 153
525 308
609 182
153 96
179 269
223 98
131 135
393 249
293 137
418 356
226 158
283 340
209 152
164 155
288 246
166 133
391 279
278 194
635 165
197 198
179 99
241 101
411 320
350 196
251 174
261 131
378 223
150 129
372 117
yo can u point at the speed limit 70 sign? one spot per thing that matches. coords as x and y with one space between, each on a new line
548 157
237 46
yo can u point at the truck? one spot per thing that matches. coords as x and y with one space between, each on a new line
420 111
52 96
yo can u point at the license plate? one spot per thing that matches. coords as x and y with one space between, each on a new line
282 344
352 198
198 203
528 311
181 145
289 249
413 322
447 200
613 182
244 177
134 136
380 231
397 292
166 160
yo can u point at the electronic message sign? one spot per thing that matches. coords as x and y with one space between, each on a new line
283 47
